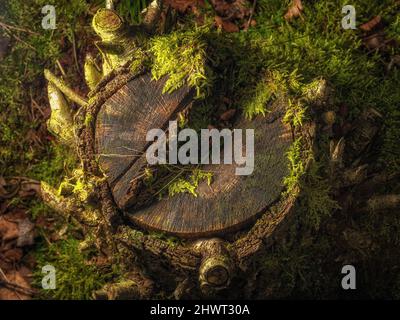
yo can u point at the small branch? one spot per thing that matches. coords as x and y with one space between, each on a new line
8 26
61 68
64 88
251 13
6 279
75 52
17 288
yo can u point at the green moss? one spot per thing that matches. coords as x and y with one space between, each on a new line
296 167
38 208
189 185
75 278
316 202
182 56
295 114
88 120
258 104
58 162
170 240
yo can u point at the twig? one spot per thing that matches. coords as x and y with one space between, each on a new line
61 68
74 50
8 26
16 288
251 13
6 279
64 88
36 106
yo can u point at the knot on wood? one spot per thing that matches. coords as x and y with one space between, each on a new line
216 268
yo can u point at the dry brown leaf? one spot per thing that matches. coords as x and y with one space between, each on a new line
372 24
183 5
238 9
376 41
8 230
19 279
13 255
294 10
227 26
227 115
29 188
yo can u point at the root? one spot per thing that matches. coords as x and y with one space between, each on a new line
64 88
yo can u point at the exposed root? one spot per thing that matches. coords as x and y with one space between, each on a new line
64 88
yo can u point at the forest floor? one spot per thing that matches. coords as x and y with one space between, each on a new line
294 42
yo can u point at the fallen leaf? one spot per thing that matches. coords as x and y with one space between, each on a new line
376 41
13 255
395 61
294 10
227 115
19 279
184 5
8 230
227 26
29 188
238 9
372 24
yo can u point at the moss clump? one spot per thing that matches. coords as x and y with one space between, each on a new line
190 184
262 94
59 161
182 56
296 167
316 202
88 120
75 278
295 114
79 186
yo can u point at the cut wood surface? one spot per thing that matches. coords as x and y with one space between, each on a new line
230 202
125 118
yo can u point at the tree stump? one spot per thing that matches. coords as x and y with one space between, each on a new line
246 213
229 203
